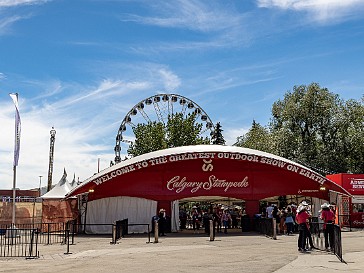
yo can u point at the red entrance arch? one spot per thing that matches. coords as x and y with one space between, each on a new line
207 170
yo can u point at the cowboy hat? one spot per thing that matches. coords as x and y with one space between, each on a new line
301 208
304 203
325 206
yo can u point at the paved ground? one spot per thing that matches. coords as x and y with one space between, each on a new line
239 252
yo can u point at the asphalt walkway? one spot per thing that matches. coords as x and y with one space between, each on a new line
181 252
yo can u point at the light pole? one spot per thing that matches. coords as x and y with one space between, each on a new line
51 152
40 185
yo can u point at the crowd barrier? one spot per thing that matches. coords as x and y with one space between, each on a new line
318 237
19 242
48 233
265 226
120 230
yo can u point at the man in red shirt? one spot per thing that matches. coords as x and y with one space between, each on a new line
328 216
302 219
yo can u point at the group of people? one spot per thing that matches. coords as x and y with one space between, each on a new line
285 217
298 218
303 219
222 217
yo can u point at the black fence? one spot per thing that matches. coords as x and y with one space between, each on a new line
19 242
48 233
328 239
345 221
120 230
264 226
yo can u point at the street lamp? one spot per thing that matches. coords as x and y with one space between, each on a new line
40 185
51 152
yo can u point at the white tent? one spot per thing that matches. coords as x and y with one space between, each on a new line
60 189
73 184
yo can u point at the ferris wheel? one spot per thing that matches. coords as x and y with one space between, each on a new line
158 108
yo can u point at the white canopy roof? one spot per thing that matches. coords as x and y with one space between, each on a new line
60 190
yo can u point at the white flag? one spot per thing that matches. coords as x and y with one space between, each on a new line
14 96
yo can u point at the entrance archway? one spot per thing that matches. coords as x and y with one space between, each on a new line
207 170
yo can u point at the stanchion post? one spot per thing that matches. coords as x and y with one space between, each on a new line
68 242
113 235
148 234
274 228
212 232
49 234
73 233
31 243
156 231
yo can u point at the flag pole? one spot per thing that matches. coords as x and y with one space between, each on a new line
14 97
14 197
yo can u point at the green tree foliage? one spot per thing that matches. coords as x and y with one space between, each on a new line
148 138
179 131
183 131
311 118
313 126
355 135
217 137
258 138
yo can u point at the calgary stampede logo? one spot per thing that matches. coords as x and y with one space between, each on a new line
179 184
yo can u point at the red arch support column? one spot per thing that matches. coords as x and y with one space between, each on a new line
251 207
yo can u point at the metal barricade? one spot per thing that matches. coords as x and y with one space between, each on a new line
265 226
17 242
333 238
120 229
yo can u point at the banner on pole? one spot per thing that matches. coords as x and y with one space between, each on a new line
14 97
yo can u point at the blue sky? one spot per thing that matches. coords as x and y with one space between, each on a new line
80 66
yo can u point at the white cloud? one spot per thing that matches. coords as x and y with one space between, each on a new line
8 16
86 123
194 15
6 22
219 24
171 80
231 134
86 118
320 10
13 3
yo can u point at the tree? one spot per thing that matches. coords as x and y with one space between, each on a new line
217 137
258 138
355 135
183 131
148 138
307 125
179 131
314 127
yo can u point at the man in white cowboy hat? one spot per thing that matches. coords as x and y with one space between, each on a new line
308 235
162 222
328 216
302 219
